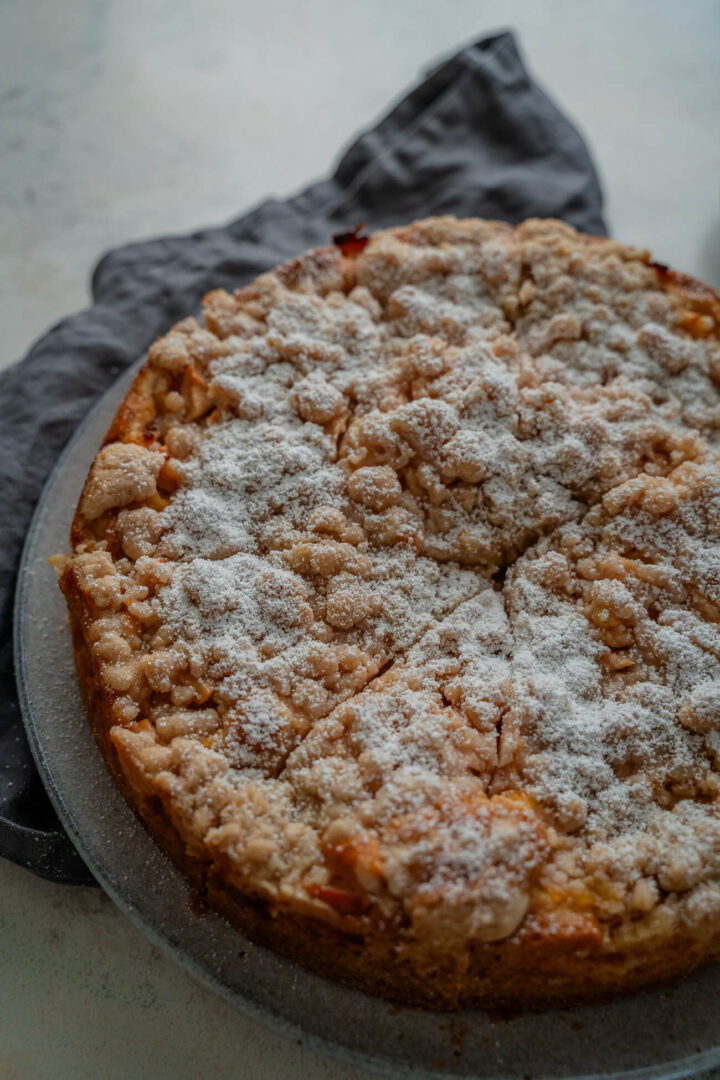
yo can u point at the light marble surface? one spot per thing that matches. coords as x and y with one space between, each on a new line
120 119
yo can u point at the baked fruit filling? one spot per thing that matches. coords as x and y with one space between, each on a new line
395 592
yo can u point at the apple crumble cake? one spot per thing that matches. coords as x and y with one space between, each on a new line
395 594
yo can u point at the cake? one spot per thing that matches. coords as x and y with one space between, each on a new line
395 600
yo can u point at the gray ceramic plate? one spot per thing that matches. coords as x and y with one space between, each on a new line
663 1033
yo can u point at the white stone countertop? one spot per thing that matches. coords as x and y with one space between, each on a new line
123 119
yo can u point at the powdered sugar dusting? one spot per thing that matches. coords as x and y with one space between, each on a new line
439 638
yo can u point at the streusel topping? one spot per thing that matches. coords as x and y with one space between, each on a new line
406 581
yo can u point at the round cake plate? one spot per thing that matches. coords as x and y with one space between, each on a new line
662 1033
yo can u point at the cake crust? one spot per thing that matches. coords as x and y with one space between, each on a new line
340 544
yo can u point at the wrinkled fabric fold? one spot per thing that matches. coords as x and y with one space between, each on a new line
476 138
